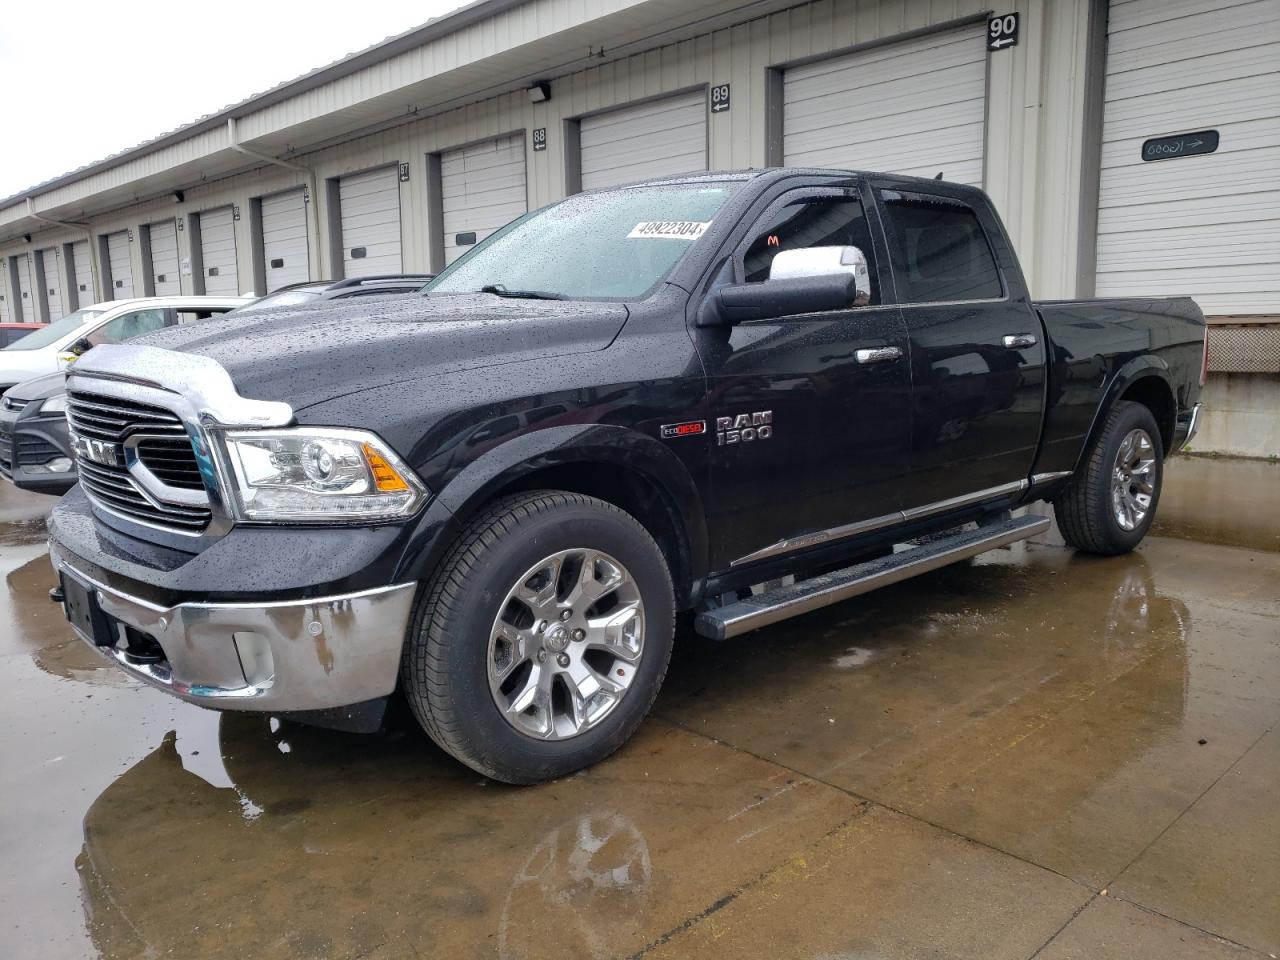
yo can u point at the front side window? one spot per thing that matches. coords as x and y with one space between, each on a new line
615 245
809 222
940 251
128 326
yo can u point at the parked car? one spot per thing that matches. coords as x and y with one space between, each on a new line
55 345
9 332
35 450
319 291
824 379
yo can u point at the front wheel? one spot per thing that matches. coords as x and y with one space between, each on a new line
543 639
1111 501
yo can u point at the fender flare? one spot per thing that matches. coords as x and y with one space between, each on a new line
587 444
1128 373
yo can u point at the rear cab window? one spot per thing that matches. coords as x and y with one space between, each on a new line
940 251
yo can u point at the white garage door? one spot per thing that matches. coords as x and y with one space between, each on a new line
82 267
164 259
916 107
482 189
27 289
218 252
655 139
6 312
121 268
284 239
370 204
1208 225
53 283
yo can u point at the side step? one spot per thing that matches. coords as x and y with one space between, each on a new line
752 613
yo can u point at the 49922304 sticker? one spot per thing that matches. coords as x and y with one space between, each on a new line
668 230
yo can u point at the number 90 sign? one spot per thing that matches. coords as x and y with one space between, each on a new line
1002 31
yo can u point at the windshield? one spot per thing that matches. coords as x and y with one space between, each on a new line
602 246
55 331
285 298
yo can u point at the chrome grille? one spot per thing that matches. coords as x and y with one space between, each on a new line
162 447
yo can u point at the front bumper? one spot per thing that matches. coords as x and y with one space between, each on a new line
29 445
293 655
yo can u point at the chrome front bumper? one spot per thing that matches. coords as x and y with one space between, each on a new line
278 656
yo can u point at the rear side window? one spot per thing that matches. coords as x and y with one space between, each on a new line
940 251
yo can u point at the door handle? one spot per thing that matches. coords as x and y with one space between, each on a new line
877 354
1020 340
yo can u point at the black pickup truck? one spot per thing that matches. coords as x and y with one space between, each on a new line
737 395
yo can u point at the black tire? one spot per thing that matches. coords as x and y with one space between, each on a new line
445 669
1084 510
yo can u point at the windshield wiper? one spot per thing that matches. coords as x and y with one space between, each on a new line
499 290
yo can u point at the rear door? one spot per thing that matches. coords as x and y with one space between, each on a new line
977 356
808 427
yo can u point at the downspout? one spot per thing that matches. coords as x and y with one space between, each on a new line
313 221
94 272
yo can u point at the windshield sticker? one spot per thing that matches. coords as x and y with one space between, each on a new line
668 230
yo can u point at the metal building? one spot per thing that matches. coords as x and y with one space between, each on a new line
1130 145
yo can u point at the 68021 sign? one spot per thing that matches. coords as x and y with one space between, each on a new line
1002 31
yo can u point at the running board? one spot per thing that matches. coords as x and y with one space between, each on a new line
736 618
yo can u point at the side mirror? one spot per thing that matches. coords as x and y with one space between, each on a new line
740 302
81 347
824 262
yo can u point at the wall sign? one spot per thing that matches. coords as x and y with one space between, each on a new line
540 138
404 172
235 213
720 98
1002 31
1183 145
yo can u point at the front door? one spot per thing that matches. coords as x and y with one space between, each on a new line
810 414
977 352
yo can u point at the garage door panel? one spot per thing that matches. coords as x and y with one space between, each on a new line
286 256
1247 170
1238 102
5 315
917 106
83 267
1205 226
218 252
164 259
659 138
370 208
1175 79
27 289
53 283
1237 208
121 266
1133 14
960 88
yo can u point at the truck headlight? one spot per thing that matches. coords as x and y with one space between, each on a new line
319 475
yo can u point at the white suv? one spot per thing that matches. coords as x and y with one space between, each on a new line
57 345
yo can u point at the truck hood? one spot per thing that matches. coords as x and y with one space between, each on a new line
309 354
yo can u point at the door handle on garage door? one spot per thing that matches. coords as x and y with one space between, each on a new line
1020 340
877 354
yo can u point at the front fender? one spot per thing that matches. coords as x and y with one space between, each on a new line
500 467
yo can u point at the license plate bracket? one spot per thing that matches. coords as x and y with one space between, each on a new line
83 612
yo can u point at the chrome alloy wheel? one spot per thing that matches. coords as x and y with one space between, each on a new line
1133 479
566 644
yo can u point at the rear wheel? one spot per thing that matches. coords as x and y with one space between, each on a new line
1112 499
542 642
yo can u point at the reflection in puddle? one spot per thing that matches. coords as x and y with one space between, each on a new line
577 876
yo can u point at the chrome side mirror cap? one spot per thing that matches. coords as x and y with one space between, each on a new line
824 262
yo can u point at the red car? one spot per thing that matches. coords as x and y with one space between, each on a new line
9 332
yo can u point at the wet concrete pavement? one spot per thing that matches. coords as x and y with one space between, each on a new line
1034 754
